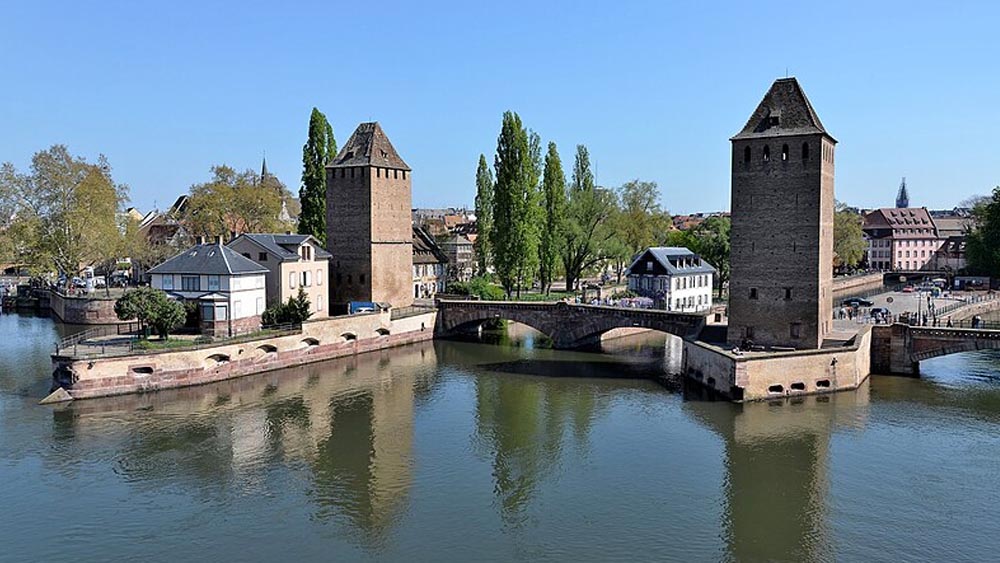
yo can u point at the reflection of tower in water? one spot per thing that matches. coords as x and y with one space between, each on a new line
776 482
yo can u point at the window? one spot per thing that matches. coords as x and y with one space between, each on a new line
207 313
190 283
784 152
319 302
753 293
788 294
319 277
795 330
361 278
805 151
746 154
220 313
649 265
349 280
291 280
395 174
213 283
767 153
246 255
168 281
261 257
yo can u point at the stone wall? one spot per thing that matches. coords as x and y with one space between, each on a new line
851 285
757 376
319 340
83 310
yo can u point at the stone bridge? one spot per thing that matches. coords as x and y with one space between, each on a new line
899 348
568 325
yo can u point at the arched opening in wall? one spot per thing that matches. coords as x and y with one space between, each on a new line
805 151
349 336
308 343
798 386
265 352
746 155
784 152
142 370
216 360
382 331
767 153
776 389
823 384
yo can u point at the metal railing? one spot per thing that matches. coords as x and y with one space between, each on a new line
74 341
82 345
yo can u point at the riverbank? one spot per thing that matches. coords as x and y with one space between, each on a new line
86 376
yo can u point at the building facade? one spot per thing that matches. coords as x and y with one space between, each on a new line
430 266
461 257
228 289
782 224
292 261
369 235
901 239
675 278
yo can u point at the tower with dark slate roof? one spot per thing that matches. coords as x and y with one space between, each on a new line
368 217
902 196
781 260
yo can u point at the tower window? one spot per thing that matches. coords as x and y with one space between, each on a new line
805 151
378 172
395 174
784 152
753 293
788 294
767 153
746 154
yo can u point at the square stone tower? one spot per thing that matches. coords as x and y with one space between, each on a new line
368 223
780 293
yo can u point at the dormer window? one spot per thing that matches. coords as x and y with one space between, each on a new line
649 265
349 155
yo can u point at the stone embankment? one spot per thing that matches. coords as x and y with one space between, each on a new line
322 339
848 286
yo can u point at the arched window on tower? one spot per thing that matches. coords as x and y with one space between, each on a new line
805 151
784 152
746 154
767 153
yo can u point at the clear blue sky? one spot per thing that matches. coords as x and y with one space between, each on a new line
654 89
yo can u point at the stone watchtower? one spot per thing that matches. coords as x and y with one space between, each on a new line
368 223
782 231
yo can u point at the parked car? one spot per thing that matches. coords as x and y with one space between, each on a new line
877 311
908 289
856 302
79 282
99 281
118 280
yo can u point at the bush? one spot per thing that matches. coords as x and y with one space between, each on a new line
623 294
152 308
295 311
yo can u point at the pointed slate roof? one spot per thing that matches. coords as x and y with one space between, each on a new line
208 259
368 146
784 111
902 196
285 246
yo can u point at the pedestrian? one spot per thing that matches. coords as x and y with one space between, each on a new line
950 325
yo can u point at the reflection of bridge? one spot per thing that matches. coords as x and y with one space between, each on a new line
568 325
899 349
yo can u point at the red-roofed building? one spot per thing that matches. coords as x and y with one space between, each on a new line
903 239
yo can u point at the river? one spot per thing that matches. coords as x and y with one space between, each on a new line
468 451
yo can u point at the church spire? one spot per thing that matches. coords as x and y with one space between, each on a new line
263 167
902 197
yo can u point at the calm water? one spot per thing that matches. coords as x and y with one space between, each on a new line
453 451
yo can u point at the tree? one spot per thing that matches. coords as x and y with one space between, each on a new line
320 148
514 233
848 238
983 240
713 244
587 212
297 310
234 203
638 223
152 308
484 216
553 229
63 213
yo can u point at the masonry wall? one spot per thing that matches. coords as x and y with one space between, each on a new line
348 234
782 241
318 341
392 236
849 285
83 310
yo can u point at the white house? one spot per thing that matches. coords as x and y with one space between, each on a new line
292 262
676 278
228 287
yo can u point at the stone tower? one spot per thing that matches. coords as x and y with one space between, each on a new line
781 264
368 221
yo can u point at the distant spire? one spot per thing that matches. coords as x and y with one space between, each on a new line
902 197
263 167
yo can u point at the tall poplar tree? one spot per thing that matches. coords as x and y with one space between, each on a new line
319 149
554 197
588 209
514 234
484 216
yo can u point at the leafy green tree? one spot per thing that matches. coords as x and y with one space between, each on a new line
713 243
152 308
553 230
588 209
320 148
478 286
296 310
638 223
848 238
514 235
983 240
233 202
484 216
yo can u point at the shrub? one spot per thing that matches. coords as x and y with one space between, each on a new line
295 311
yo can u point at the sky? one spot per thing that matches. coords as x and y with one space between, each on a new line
653 89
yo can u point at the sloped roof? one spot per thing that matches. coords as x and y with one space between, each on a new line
284 246
425 250
784 111
667 255
208 259
901 219
368 146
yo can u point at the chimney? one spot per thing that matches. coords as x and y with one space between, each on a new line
232 235
200 239
218 240
288 232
